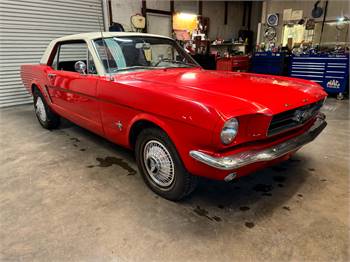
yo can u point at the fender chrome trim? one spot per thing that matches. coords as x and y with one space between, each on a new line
241 159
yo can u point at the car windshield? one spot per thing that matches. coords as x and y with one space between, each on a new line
121 54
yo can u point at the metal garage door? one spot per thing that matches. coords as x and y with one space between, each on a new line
27 26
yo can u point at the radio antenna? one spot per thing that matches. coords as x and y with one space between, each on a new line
105 48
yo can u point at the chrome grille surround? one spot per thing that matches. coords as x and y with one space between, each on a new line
293 118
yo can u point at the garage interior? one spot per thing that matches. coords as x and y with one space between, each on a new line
70 195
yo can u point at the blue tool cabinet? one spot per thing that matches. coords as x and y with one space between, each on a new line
330 71
268 63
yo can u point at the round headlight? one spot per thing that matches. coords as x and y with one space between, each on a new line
229 131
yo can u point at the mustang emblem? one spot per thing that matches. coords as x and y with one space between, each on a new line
301 116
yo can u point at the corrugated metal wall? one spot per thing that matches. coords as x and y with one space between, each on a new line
26 28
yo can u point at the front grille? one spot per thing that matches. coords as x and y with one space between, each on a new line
293 118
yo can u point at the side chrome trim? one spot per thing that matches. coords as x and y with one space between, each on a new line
249 157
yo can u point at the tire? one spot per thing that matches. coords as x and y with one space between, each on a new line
46 117
161 166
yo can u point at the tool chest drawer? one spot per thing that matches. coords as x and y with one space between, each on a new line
330 71
268 63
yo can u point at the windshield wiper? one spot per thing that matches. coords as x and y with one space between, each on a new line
174 62
132 68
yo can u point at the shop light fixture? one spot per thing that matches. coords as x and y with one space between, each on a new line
187 16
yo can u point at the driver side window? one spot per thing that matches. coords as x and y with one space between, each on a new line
68 53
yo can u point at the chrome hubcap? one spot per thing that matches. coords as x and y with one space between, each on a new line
158 163
40 109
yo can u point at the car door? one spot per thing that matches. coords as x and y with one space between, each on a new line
72 93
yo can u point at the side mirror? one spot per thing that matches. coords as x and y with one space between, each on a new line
80 67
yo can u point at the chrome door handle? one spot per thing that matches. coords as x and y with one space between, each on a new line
50 75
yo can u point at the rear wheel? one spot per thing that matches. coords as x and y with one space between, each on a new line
161 167
46 117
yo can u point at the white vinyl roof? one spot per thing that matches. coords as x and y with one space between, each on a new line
88 37
95 35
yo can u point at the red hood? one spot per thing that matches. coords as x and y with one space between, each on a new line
260 93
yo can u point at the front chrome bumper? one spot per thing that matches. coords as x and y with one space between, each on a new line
252 156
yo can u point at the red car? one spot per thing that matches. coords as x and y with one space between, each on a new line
146 93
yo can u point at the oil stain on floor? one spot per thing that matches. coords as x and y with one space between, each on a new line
294 160
249 224
286 208
279 179
74 139
279 168
263 188
204 213
110 160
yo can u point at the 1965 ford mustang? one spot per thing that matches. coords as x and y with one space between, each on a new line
146 93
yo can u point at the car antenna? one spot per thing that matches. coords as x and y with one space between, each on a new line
105 48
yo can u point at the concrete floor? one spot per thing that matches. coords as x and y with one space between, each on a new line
62 198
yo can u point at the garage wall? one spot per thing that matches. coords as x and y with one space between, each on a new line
122 10
26 28
216 13
256 18
186 6
335 8
158 4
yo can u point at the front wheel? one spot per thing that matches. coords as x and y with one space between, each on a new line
161 166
